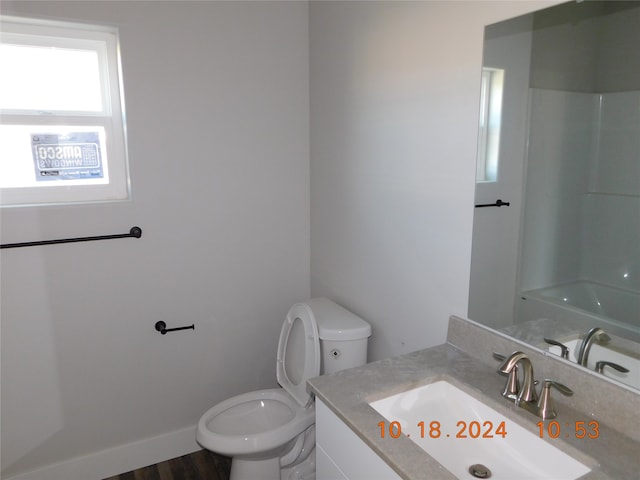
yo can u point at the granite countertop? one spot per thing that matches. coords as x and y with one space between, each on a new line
612 455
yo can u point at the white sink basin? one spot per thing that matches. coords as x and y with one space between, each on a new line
520 454
629 360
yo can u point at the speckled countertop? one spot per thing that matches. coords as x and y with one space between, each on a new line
613 455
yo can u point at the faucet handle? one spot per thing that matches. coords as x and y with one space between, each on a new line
546 405
564 350
603 363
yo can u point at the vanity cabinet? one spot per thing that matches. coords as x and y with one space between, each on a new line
341 454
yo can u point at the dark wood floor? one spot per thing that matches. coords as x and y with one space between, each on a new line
201 465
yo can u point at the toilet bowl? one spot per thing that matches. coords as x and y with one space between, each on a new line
270 434
257 424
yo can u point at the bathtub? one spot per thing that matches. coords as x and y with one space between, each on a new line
585 302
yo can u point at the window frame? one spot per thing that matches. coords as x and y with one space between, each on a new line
489 129
104 40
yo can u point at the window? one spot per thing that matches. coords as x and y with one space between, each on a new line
490 118
62 136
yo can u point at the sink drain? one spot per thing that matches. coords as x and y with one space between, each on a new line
479 471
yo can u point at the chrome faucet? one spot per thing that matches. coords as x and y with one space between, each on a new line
527 392
594 335
526 396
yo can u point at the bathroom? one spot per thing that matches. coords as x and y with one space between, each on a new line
340 142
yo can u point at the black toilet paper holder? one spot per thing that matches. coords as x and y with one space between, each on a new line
162 328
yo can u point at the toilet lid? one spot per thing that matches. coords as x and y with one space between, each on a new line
298 353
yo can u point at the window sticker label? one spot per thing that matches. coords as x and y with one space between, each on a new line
71 156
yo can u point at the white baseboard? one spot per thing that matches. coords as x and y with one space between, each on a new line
120 459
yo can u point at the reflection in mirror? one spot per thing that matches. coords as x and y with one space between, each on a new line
489 126
564 258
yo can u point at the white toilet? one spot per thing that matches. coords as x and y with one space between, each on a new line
270 434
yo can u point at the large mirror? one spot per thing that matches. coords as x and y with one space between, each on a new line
559 143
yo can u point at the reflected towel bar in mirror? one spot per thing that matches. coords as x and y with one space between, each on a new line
498 203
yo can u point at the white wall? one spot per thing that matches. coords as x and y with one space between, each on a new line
394 109
217 114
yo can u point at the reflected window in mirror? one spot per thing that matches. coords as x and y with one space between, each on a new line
489 127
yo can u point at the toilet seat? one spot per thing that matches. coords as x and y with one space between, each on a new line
258 421
298 353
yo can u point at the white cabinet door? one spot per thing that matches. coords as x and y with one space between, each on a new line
324 464
342 454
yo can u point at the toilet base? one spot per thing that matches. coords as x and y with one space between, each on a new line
269 469
266 469
305 470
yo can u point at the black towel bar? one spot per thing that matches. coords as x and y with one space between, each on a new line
135 232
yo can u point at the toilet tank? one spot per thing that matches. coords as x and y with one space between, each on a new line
343 336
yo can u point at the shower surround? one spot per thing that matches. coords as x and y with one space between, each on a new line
582 213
